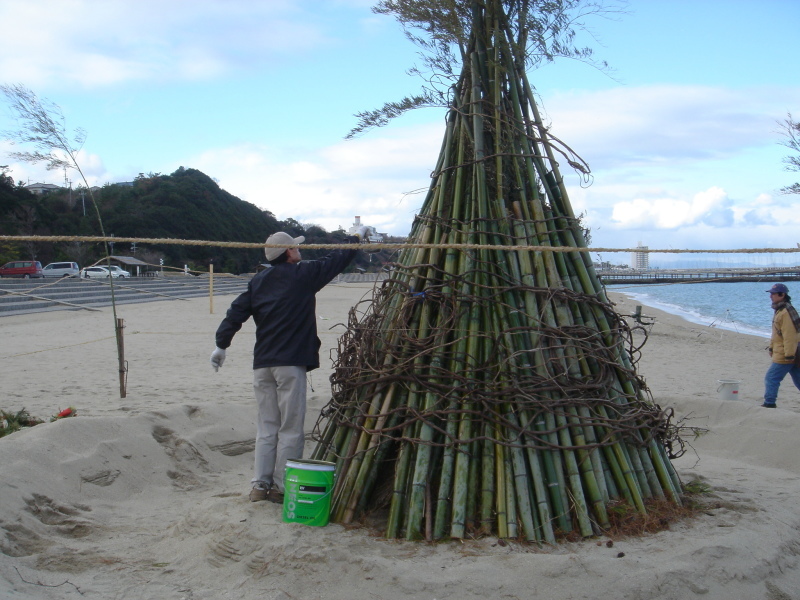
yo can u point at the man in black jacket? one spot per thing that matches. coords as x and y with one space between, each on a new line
281 299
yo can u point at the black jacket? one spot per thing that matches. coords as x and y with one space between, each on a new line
281 300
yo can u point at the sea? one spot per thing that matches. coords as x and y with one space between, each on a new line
742 307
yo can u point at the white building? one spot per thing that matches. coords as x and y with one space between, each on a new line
41 188
373 236
640 260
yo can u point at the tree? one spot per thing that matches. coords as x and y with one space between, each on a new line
791 129
43 128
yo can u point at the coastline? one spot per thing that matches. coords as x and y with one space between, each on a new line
698 317
146 496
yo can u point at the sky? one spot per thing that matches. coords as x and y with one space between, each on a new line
682 135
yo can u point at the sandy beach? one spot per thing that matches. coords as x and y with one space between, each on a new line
145 497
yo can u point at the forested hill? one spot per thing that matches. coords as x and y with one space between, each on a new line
186 204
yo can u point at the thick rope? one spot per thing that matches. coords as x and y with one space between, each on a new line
384 245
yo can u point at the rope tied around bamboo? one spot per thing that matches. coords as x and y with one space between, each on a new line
380 351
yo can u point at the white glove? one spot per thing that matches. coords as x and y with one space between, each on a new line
217 358
362 232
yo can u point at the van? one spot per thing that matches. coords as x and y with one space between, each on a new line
22 268
61 269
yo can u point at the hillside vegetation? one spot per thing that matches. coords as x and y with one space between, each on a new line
187 204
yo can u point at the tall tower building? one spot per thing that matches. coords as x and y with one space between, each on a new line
640 260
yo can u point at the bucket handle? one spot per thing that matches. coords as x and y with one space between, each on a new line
725 382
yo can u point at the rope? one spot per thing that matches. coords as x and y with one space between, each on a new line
64 302
170 333
383 245
58 347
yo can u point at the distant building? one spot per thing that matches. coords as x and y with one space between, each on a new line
134 266
640 259
373 236
42 188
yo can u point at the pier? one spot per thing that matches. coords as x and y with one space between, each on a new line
716 275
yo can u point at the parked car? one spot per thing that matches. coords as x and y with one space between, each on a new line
22 268
119 272
95 272
62 269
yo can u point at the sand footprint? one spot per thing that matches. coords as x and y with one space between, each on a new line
185 457
65 519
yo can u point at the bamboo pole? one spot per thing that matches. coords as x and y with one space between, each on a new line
123 369
211 288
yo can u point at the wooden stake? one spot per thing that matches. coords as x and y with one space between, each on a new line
211 288
121 355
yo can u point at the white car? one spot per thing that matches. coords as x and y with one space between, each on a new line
94 272
61 269
119 272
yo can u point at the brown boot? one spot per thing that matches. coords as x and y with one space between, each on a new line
259 492
275 495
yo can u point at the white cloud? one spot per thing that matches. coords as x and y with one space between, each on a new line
711 207
369 177
97 42
781 211
666 125
27 173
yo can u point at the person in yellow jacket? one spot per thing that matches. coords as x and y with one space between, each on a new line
782 344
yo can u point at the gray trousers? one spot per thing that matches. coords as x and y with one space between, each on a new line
281 397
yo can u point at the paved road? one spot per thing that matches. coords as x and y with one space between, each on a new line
24 296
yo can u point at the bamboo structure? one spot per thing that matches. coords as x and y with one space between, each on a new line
487 391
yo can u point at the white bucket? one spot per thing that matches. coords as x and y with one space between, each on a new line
728 389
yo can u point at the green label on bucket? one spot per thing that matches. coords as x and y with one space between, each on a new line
307 497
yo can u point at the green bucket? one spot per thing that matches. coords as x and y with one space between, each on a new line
307 495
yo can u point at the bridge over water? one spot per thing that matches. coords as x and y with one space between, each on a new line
717 275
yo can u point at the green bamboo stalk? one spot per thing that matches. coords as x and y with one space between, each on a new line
501 497
581 510
596 457
540 492
360 468
619 476
368 485
556 484
630 476
487 484
520 482
650 473
592 484
511 506
666 475
473 484
460 492
446 476
398 503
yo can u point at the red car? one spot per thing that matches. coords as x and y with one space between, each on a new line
22 268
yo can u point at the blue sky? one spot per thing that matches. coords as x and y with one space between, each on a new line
682 138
